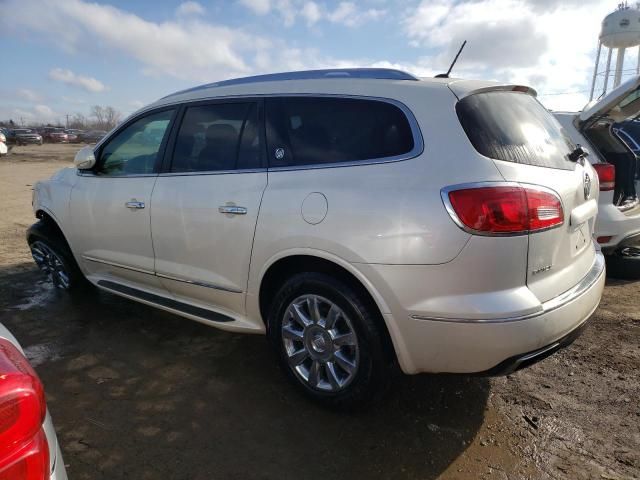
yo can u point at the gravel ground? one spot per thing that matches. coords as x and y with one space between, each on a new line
142 394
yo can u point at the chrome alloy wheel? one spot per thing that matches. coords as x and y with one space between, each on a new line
51 264
320 343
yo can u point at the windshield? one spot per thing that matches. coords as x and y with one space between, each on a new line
515 127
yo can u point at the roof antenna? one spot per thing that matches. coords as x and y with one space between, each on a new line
446 75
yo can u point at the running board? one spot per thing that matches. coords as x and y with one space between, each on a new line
165 302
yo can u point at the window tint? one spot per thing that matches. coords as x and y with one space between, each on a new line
134 150
515 127
218 137
313 131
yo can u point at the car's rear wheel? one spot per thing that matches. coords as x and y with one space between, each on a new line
328 340
624 264
54 259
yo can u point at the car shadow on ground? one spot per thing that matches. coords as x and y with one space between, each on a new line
139 393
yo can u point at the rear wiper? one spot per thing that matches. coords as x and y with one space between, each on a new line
579 154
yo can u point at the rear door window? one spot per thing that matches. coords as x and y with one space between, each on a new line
515 127
218 137
327 130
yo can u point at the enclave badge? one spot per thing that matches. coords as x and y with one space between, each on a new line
587 186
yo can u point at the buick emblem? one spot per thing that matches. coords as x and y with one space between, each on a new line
587 186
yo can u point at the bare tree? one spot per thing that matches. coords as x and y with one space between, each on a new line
105 117
78 120
97 112
112 117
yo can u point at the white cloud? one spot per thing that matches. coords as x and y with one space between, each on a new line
89 84
186 48
259 7
311 12
348 14
29 95
189 8
31 115
543 43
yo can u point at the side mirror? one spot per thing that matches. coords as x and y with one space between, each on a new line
85 159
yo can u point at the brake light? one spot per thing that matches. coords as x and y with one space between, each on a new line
606 175
506 209
24 452
30 462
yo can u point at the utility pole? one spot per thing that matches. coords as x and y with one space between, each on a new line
67 115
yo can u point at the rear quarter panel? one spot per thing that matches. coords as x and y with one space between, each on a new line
386 213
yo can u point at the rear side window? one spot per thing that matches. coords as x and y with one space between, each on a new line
515 127
325 130
218 137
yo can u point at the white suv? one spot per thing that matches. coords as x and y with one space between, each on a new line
358 217
612 156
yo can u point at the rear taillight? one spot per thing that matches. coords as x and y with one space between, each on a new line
504 210
24 453
31 462
606 175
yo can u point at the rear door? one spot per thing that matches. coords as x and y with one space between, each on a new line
529 146
205 204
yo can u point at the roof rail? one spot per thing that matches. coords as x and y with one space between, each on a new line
368 73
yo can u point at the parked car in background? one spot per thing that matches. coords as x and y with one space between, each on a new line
618 221
352 215
29 449
24 136
73 135
92 136
4 147
54 135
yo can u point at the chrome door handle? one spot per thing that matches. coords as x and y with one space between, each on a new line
233 210
134 204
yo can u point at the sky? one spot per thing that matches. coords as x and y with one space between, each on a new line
60 57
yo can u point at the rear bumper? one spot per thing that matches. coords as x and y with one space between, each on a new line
622 227
518 362
493 344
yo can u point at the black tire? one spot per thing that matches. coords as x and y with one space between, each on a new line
624 267
373 363
41 237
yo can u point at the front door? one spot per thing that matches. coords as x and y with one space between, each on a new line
110 206
205 207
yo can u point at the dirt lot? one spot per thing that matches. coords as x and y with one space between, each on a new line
142 394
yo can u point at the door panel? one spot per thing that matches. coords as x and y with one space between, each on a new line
110 206
194 242
205 208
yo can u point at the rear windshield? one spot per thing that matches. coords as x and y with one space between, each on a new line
515 127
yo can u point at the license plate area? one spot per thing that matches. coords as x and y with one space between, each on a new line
580 238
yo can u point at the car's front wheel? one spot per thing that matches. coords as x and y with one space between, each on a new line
54 258
329 341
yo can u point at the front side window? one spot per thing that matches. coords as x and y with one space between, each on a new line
515 127
135 149
326 130
217 137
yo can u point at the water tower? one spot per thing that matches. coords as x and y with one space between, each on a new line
620 30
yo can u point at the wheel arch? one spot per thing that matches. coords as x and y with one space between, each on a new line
282 267
50 222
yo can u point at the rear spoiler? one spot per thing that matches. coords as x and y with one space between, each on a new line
464 88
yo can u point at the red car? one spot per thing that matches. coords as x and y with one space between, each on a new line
55 135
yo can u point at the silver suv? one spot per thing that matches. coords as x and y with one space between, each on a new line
361 218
